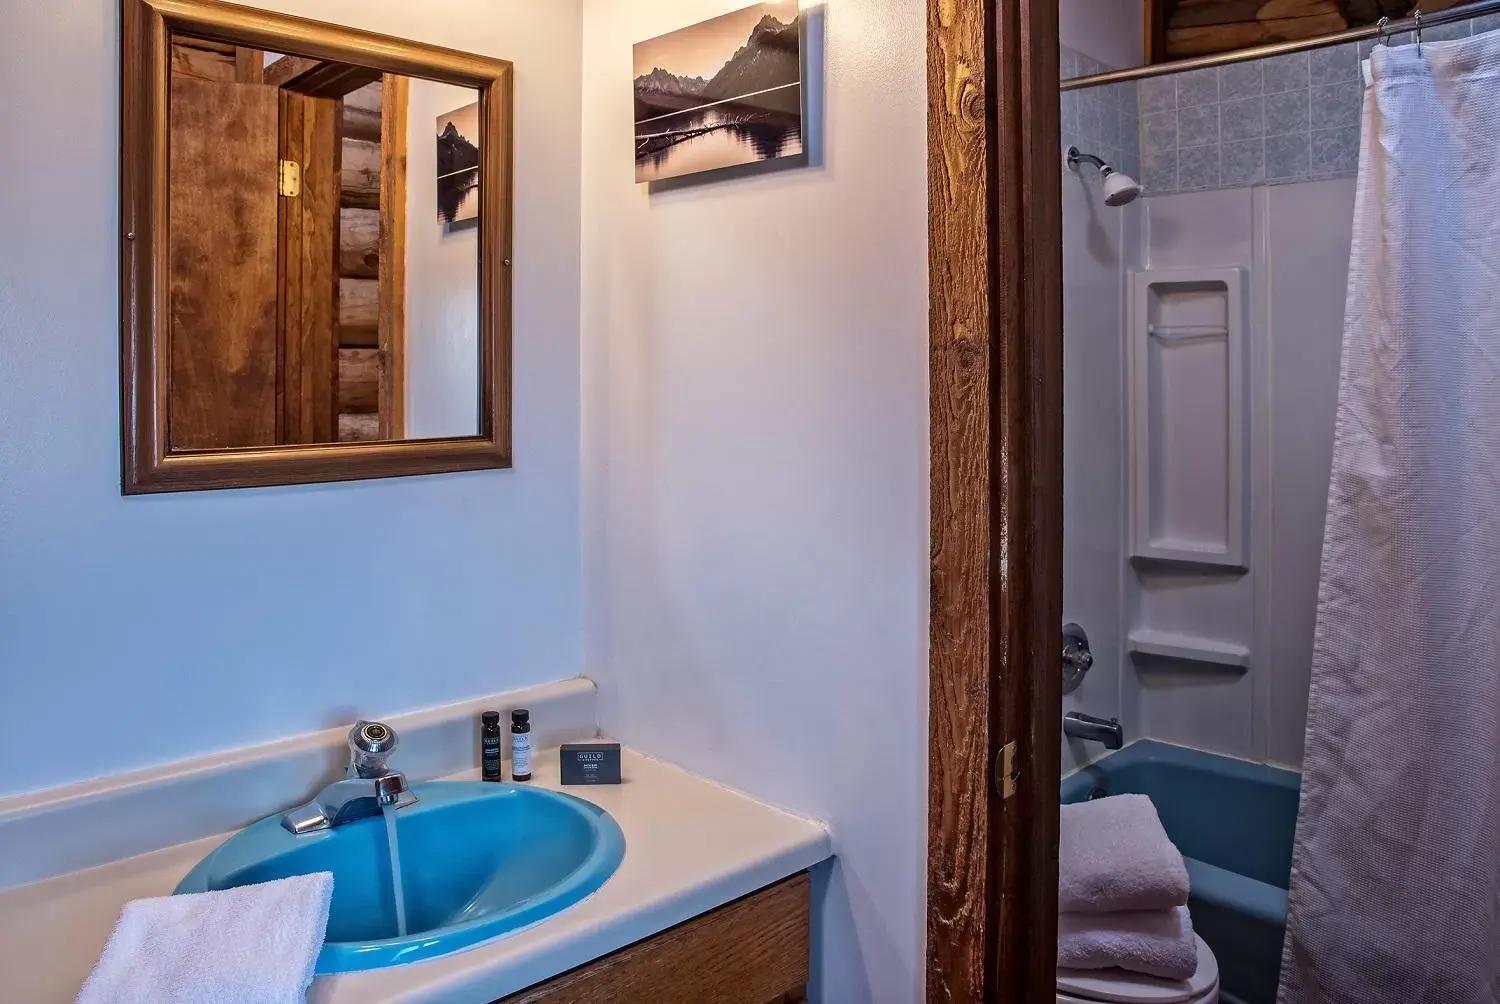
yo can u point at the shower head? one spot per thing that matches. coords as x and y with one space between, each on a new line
1119 189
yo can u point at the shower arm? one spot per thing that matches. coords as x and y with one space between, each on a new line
1076 157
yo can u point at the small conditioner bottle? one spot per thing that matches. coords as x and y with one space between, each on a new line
520 745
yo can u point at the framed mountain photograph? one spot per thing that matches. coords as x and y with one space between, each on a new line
458 164
723 93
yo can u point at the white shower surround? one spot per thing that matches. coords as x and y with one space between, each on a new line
1292 241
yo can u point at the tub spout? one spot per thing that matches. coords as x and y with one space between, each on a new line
1080 726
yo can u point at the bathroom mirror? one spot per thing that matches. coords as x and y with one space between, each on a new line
315 259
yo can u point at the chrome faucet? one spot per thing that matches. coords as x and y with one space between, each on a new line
1080 726
365 788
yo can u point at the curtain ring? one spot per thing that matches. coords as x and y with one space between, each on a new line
1417 16
1383 31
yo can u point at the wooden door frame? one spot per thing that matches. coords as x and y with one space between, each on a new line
995 357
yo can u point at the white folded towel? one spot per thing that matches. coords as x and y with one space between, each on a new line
256 944
1155 942
1114 855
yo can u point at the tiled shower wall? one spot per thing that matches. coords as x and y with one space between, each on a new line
1270 121
1104 121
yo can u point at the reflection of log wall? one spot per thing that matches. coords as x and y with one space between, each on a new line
360 359
359 381
1204 27
361 174
359 244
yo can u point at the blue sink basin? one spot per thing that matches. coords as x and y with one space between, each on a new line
477 861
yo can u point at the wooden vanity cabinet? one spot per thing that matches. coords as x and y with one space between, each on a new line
751 951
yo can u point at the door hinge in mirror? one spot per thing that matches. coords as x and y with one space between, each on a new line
1007 770
289 179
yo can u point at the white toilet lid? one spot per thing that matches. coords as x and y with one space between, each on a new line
1120 987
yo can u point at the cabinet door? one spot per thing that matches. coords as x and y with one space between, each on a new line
752 951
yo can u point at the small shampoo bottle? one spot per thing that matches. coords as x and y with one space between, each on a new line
520 745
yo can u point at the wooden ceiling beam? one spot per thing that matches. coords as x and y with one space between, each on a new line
318 78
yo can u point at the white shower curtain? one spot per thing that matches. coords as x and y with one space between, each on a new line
1395 893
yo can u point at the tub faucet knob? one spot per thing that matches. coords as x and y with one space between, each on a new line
1077 660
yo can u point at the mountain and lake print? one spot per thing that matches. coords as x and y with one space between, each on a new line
722 93
458 165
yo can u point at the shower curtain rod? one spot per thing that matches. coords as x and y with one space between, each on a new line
1413 23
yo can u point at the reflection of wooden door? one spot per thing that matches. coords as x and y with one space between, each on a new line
308 269
287 196
223 306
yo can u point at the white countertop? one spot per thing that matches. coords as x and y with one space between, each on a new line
690 845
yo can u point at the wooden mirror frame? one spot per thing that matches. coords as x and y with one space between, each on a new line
149 464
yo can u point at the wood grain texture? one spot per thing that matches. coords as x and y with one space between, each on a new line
361 174
1204 27
359 244
959 141
359 428
996 579
249 65
284 69
1026 461
310 287
190 60
1201 13
1185 42
362 112
359 382
148 461
1157 13
222 264
752 951
359 313
319 78
391 334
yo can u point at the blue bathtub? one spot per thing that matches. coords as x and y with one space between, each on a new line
1234 822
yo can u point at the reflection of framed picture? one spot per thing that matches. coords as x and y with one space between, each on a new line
722 93
458 165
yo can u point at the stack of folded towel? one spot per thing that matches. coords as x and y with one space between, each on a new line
1122 891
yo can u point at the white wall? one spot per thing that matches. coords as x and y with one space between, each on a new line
1111 31
442 283
1308 229
182 624
755 468
1294 241
1096 244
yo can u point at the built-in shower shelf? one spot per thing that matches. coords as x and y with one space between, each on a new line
1188 416
1188 648
1187 332
1166 552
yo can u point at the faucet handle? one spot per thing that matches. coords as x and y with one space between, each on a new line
370 746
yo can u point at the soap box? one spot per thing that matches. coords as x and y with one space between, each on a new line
591 763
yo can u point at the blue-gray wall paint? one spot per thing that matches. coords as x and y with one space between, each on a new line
140 630
1104 121
1269 121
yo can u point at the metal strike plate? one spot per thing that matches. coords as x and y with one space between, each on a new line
1007 770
